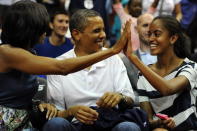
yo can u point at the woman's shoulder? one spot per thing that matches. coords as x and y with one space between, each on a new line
10 54
4 45
3 49
6 49
187 67
189 62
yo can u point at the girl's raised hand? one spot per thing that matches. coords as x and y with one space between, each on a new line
121 43
128 48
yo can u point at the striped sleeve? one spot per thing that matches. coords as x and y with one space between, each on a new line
190 72
141 89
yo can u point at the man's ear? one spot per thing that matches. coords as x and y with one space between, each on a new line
173 39
51 25
76 35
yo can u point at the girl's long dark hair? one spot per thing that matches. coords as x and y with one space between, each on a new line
183 43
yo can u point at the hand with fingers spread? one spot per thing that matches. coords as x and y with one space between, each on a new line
120 44
109 100
51 110
84 114
128 48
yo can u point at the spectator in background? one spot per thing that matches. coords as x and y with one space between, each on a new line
192 31
116 25
189 11
52 5
139 35
56 43
164 7
143 23
188 22
131 11
143 53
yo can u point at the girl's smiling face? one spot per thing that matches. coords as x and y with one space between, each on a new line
159 38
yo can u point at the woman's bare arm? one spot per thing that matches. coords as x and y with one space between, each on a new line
20 59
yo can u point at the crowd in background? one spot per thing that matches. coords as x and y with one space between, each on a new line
184 10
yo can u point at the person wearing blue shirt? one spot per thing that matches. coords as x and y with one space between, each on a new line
56 44
189 11
50 50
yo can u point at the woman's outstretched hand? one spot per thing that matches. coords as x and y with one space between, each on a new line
128 48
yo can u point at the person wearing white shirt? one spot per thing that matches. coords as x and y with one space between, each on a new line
104 84
164 7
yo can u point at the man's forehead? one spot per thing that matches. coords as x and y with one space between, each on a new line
93 23
145 17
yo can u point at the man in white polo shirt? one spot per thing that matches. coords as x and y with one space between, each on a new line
104 84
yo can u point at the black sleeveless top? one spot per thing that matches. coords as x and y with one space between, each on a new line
17 89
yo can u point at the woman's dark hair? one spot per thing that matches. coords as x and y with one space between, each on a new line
182 45
24 23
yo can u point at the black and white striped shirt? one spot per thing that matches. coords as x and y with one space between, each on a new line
181 106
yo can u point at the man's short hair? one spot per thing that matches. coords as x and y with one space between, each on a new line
79 20
57 12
